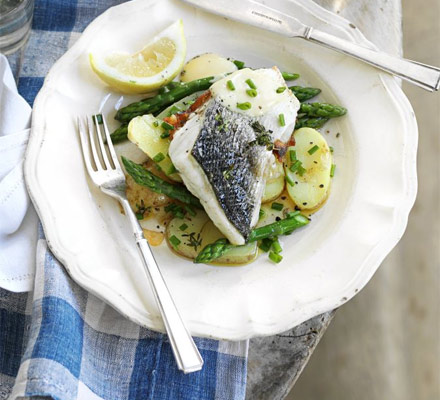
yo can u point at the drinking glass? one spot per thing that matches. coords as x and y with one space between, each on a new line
15 24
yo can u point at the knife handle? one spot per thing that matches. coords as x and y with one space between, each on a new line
425 76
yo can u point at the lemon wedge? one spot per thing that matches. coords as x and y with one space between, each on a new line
152 67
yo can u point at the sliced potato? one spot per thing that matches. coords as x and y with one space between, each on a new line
310 189
144 134
181 105
194 226
274 183
271 215
209 64
237 255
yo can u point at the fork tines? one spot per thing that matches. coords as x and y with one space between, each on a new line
99 155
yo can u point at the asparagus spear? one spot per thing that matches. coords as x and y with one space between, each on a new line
304 93
310 122
157 103
146 178
285 226
322 110
120 134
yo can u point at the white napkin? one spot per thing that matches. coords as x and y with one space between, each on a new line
18 220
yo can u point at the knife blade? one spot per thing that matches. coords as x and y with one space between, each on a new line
253 13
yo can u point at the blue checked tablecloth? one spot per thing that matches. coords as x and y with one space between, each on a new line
60 341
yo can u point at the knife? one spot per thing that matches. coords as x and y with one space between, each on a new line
253 13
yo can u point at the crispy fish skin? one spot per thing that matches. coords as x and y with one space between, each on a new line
227 151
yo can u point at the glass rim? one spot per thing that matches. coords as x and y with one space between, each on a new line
21 7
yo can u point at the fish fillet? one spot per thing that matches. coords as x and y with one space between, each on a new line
222 150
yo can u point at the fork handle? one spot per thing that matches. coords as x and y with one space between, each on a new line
185 351
425 76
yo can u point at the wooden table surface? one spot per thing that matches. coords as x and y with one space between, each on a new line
276 362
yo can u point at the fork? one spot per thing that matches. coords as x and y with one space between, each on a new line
106 173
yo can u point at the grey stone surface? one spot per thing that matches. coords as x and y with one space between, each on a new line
275 362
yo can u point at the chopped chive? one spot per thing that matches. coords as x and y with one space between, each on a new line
281 89
158 157
164 135
238 64
266 244
98 118
331 149
252 92
281 120
251 83
174 241
230 85
289 76
276 258
292 155
276 247
171 170
261 214
289 180
190 210
139 215
277 206
183 227
298 168
173 110
313 149
156 123
244 106
332 170
165 125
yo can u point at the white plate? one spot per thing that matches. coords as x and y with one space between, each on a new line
324 265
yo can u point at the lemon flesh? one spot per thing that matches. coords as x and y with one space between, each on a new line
152 67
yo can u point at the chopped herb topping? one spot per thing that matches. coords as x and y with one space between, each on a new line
141 210
276 258
171 170
238 64
230 85
289 76
277 206
244 106
292 155
262 136
168 127
164 135
183 227
174 241
298 168
281 120
251 83
331 149
227 172
156 123
313 149
266 244
289 180
332 170
194 240
252 92
261 214
174 110
281 89
276 247
158 157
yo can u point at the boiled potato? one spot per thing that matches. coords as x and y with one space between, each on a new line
236 255
209 64
310 189
181 228
144 134
274 181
